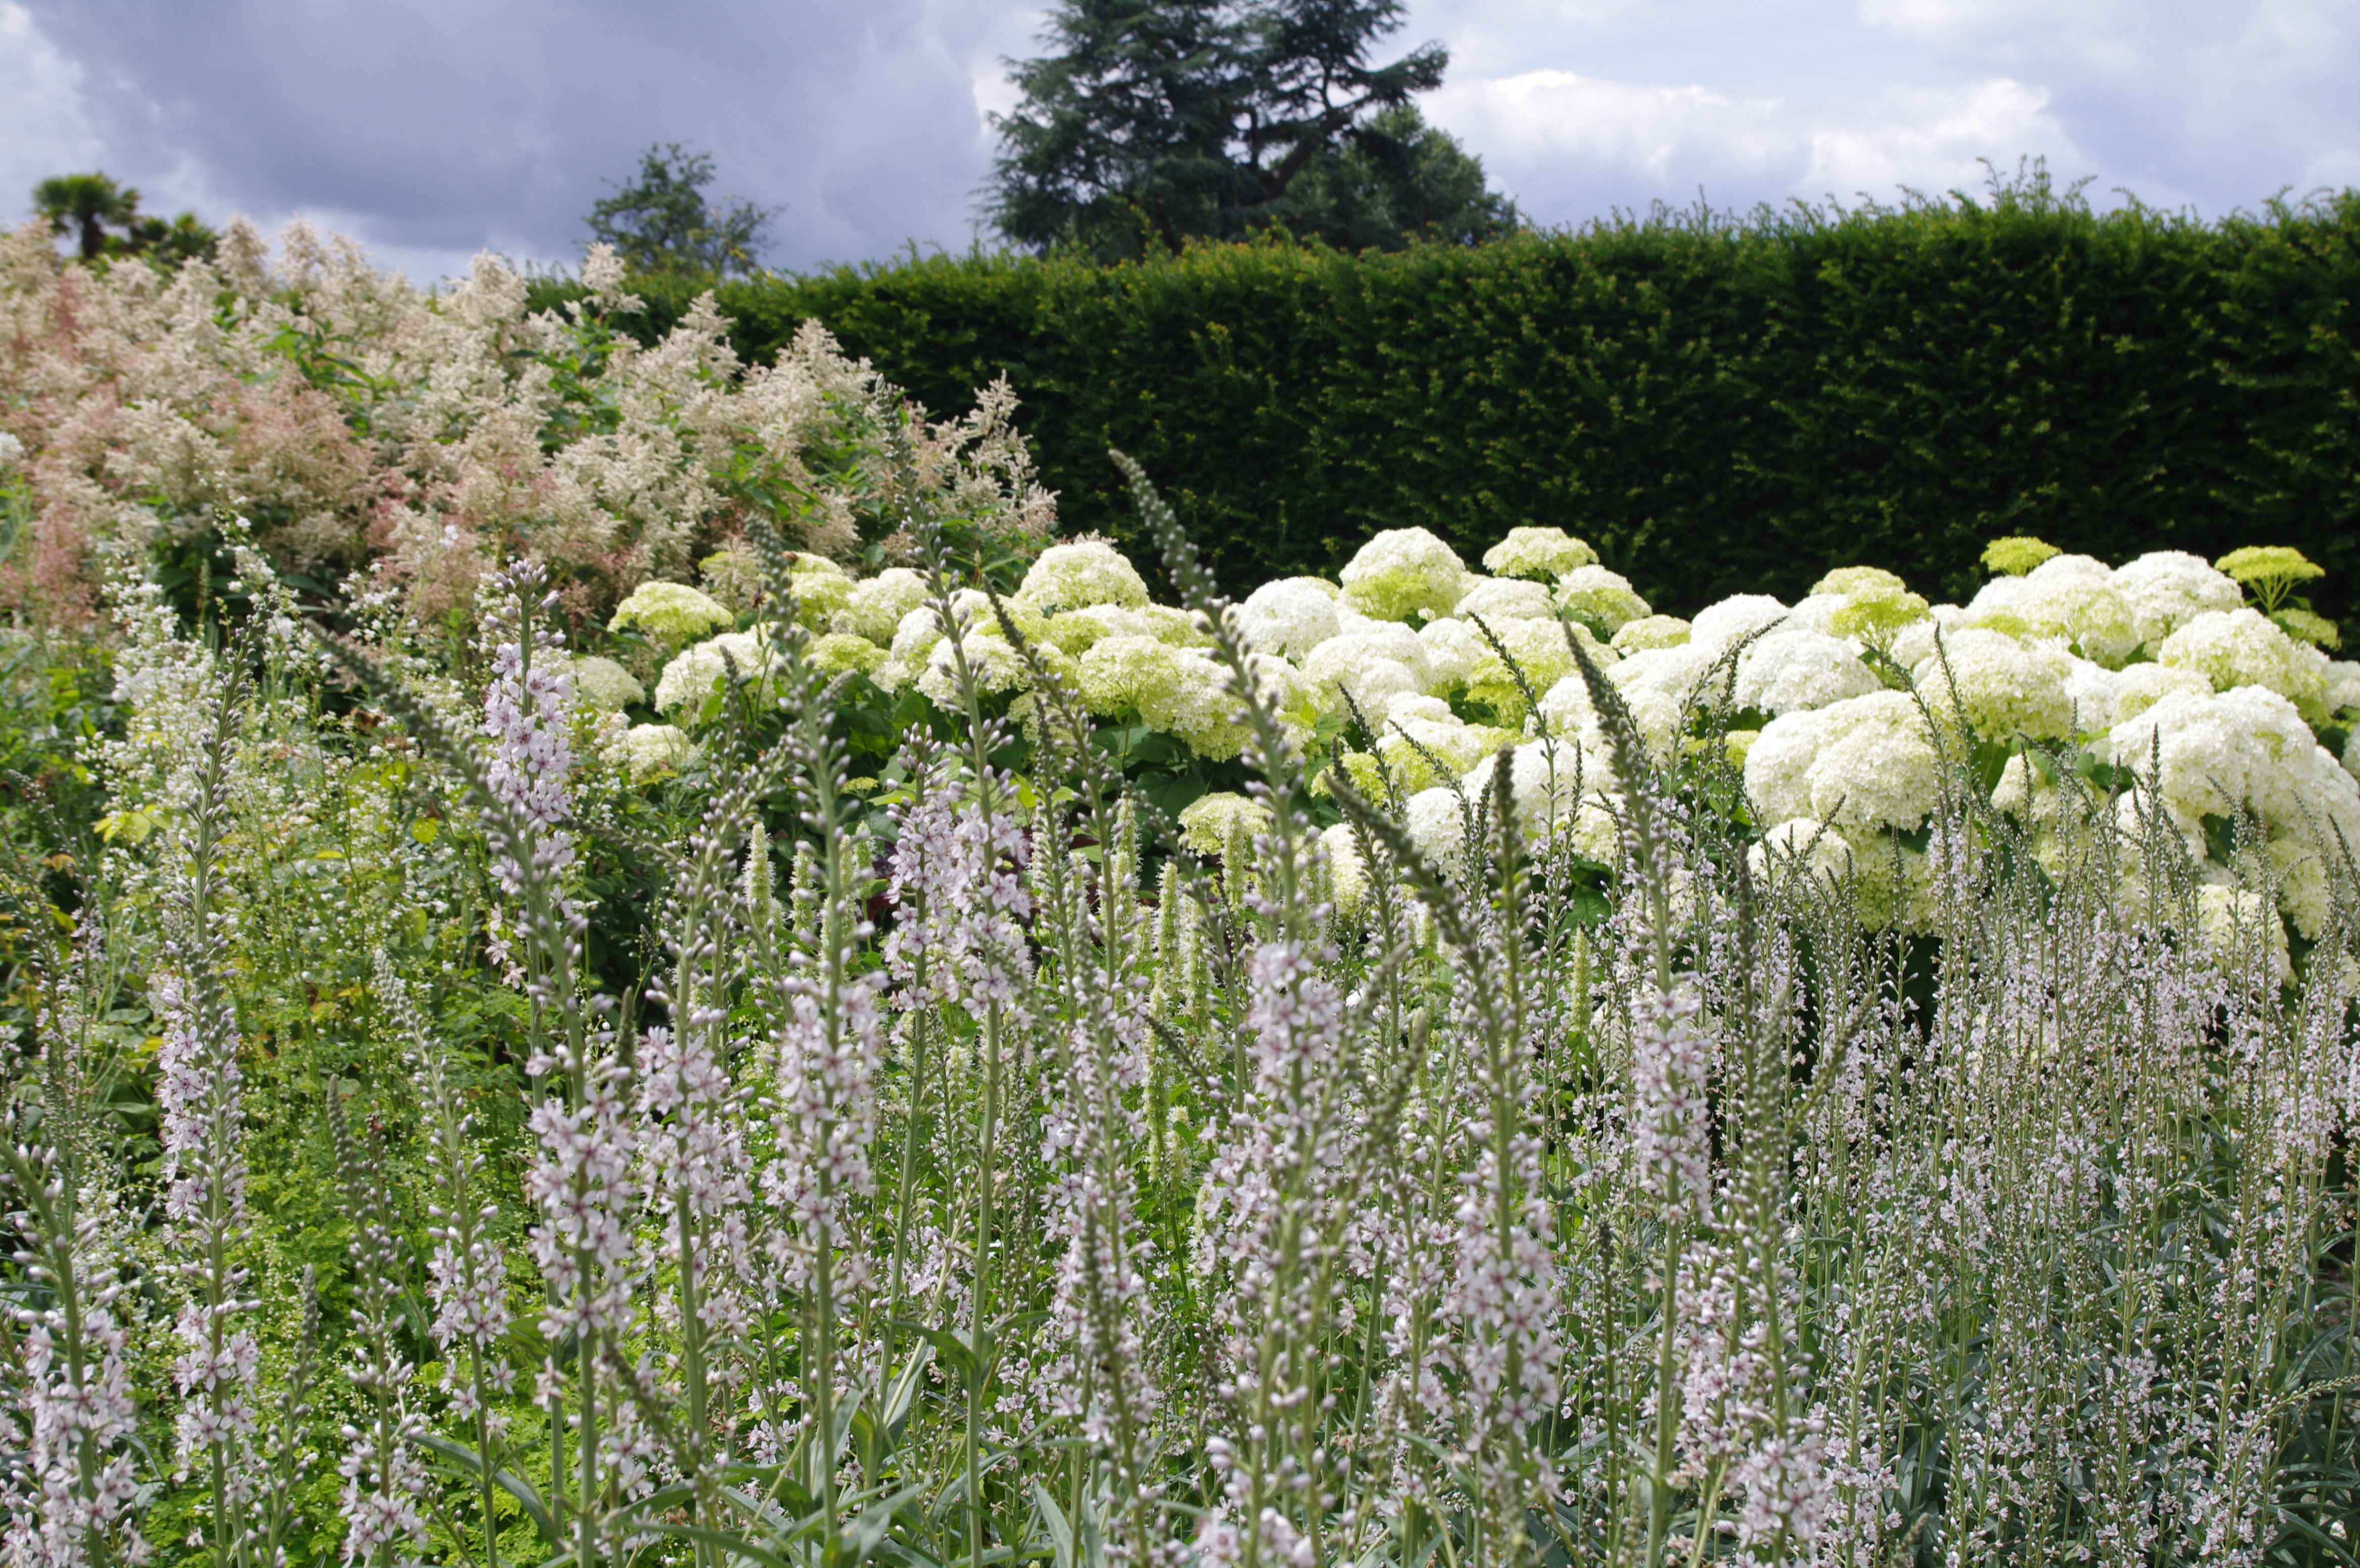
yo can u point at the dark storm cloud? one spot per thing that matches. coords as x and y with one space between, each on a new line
440 126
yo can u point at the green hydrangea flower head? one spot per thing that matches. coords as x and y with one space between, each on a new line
1538 555
2315 629
2016 555
2268 570
1078 575
1404 571
1600 600
1650 631
841 651
1851 580
820 597
1875 615
1211 822
671 612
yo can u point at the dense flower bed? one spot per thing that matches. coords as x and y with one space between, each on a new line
1415 674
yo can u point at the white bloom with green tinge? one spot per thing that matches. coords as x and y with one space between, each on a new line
1716 626
1404 571
841 651
1541 554
649 750
671 612
2243 648
1506 598
1600 596
877 604
1075 576
1650 631
2001 687
604 683
693 674
1865 762
1208 822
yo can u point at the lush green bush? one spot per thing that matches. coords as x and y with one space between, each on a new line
1717 407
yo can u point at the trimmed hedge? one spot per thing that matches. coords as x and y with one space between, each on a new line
1717 408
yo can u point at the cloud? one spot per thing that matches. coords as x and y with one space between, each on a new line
45 128
1568 143
432 127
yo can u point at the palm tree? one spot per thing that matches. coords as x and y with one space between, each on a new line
92 202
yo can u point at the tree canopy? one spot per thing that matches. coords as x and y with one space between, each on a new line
662 222
104 219
1155 122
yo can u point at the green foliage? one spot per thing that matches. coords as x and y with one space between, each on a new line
105 220
662 222
1157 122
1718 407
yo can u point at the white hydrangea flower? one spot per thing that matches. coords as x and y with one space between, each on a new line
2092 689
1546 780
1404 571
1650 631
671 612
1801 845
1178 692
2208 754
1865 762
2230 919
878 604
2339 685
1846 581
841 651
1787 670
1457 746
1437 828
691 674
1178 627
1718 626
604 683
1506 598
1335 663
1207 822
1347 873
1816 612
993 664
1539 650
1291 616
1453 648
2081 571
2141 687
649 750
2072 608
2168 588
820 595
1542 555
1075 577
1915 642
2304 892
919 630
1600 596
1078 631
2242 648
2000 687
1407 706
1677 673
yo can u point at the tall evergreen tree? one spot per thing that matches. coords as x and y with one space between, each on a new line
1154 121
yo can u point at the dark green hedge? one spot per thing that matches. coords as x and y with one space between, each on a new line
1718 408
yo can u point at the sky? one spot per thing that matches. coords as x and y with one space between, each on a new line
432 129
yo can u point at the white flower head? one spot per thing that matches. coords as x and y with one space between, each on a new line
1506 598
1787 670
1602 598
2168 588
1540 555
1074 577
2000 687
1291 616
671 612
604 683
1716 626
2243 648
1404 571
877 605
